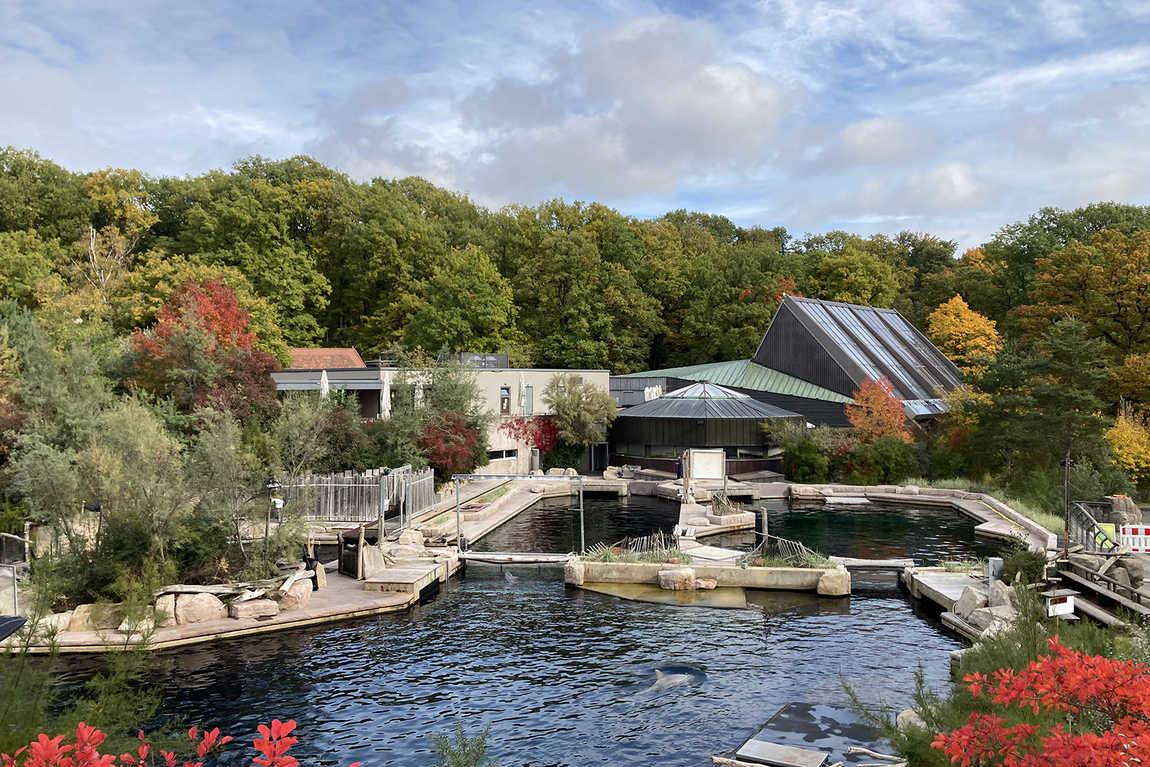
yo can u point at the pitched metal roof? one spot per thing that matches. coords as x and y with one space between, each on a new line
331 357
864 342
746 374
706 401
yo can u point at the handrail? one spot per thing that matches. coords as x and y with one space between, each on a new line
1086 530
1119 588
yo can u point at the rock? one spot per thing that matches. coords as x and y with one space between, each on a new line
909 719
909 490
296 597
96 617
538 489
969 601
985 617
138 626
555 472
165 611
678 579
197 608
571 472
1123 511
835 583
320 577
535 473
573 572
1092 561
706 584
698 521
410 537
1136 567
52 624
1001 594
253 608
1120 574
627 472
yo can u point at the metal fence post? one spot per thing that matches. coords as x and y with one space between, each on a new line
458 523
582 539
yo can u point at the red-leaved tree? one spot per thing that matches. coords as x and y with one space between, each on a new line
537 431
84 750
1104 704
877 412
201 352
449 444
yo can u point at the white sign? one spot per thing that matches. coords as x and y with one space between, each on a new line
706 464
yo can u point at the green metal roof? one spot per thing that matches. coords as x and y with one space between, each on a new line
746 374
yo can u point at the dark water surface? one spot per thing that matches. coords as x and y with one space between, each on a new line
562 675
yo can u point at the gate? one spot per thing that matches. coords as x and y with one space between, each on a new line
396 495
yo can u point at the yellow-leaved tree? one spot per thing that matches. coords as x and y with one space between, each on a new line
963 335
1130 439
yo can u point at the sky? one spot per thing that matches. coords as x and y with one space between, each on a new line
954 118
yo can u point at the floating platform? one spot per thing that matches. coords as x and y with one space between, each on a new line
514 558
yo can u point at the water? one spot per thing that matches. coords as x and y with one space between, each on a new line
562 675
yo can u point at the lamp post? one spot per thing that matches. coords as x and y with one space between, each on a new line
272 485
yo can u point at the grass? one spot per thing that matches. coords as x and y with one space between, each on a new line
1052 521
963 565
812 560
494 494
604 553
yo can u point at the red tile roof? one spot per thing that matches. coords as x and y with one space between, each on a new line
316 359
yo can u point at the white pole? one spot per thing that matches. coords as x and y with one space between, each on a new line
458 523
582 540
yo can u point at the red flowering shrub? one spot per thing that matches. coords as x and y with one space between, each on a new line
449 444
273 745
201 352
538 431
1105 705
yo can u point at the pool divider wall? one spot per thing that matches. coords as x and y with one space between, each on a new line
829 582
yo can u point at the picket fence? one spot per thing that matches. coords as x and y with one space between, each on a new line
399 494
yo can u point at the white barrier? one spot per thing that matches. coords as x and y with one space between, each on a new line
1136 538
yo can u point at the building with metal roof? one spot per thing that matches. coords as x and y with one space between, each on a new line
701 415
813 357
838 346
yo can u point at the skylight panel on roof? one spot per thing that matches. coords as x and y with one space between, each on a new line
827 323
903 381
929 354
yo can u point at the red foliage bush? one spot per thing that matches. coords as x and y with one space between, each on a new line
202 353
449 444
273 746
538 431
877 411
1093 692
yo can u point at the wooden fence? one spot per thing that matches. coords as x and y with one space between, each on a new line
396 494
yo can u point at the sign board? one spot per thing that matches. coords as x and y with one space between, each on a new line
706 464
1059 602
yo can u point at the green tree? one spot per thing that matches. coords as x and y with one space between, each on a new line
26 260
855 277
581 411
38 194
466 306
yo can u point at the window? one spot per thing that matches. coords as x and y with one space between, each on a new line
528 400
505 400
502 455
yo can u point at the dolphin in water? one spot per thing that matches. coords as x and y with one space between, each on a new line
667 681
507 576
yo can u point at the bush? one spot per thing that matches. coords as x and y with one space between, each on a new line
803 458
1019 559
886 461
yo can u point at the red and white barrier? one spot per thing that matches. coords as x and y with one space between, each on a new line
1135 537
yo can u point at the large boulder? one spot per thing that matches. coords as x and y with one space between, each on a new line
253 608
1000 594
997 617
53 623
678 579
970 600
555 471
834 583
297 596
96 617
706 584
138 627
320 577
197 608
1123 511
1136 566
1120 574
571 472
165 612
410 537
1090 561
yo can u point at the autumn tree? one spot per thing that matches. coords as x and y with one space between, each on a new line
963 335
1103 284
877 412
449 444
1129 438
201 352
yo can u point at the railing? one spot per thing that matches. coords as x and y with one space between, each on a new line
1125 594
13 549
1088 532
397 495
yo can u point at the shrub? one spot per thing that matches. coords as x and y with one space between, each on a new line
1019 559
804 460
885 461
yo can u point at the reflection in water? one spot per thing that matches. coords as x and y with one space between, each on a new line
561 674
645 592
